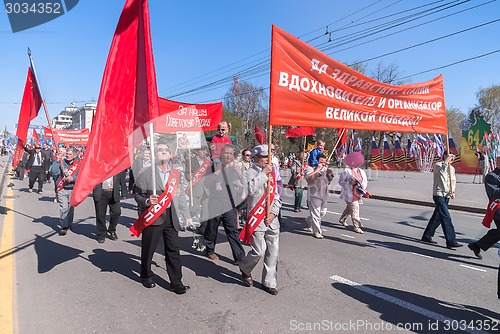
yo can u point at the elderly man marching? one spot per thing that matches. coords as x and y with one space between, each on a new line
262 228
318 179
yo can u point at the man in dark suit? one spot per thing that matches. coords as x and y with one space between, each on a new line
48 156
107 194
36 163
21 166
166 226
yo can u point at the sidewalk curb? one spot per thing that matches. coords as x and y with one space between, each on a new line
4 175
422 203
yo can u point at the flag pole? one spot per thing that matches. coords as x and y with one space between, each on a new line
303 152
190 177
32 65
270 163
153 158
338 141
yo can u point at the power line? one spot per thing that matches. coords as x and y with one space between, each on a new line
452 64
262 68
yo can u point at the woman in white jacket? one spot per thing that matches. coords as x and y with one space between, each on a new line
350 180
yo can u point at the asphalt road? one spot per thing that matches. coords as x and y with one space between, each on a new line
347 282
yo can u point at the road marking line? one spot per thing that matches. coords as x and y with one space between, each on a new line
347 236
422 255
7 269
465 266
377 244
402 303
338 214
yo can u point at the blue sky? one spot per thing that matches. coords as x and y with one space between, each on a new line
199 42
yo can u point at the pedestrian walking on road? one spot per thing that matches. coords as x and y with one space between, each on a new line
297 181
225 186
492 186
66 176
262 228
107 194
166 225
36 165
443 188
318 178
353 183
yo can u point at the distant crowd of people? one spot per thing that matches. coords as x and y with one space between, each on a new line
242 190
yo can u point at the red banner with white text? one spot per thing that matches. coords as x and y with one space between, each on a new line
68 137
308 88
179 116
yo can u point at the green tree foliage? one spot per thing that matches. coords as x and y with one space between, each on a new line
489 104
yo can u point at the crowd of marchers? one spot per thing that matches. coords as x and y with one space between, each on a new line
241 190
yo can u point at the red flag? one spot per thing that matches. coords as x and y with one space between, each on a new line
342 134
128 99
299 131
376 161
32 101
36 137
260 136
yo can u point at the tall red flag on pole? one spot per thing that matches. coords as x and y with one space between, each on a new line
30 105
127 100
36 137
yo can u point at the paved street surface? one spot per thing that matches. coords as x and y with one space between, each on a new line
347 282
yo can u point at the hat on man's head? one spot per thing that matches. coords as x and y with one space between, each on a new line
37 146
260 150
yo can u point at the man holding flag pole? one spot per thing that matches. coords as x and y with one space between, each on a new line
159 216
262 227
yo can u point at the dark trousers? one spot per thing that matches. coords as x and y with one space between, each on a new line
297 204
440 216
36 173
20 171
490 238
150 237
229 222
101 207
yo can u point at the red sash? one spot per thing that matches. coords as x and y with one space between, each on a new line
153 212
200 172
70 171
493 206
258 212
302 171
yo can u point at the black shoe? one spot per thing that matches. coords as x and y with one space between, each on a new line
148 283
63 231
113 236
271 291
180 289
100 240
477 251
453 245
428 241
247 279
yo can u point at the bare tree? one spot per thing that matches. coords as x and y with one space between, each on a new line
453 118
250 104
